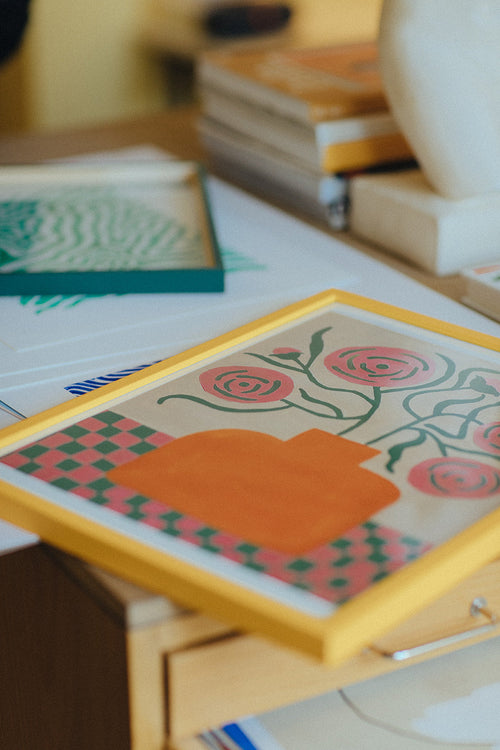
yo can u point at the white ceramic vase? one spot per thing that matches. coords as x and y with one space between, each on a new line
440 63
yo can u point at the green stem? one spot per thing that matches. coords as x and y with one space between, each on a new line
375 403
222 408
304 369
467 420
311 411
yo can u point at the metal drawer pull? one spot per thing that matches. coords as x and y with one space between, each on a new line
479 606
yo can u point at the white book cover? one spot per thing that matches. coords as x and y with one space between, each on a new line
482 288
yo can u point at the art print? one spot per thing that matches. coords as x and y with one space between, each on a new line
80 229
310 463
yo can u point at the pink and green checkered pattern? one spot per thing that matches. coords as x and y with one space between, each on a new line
77 459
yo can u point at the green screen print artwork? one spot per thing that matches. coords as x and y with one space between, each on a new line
133 228
92 229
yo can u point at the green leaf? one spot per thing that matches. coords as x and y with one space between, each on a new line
217 407
287 355
479 384
397 451
317 344
272 361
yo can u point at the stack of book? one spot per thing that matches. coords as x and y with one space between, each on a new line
297 123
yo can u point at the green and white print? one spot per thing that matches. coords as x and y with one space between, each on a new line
95 229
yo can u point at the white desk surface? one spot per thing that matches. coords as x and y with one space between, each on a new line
280 260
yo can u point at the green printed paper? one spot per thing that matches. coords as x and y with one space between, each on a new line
106 235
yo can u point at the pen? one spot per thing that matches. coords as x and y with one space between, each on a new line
10 410
247 20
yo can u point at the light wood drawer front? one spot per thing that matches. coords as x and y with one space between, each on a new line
220 681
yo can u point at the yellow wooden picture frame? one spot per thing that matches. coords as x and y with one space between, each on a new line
326 354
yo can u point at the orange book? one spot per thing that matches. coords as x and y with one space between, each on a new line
309 85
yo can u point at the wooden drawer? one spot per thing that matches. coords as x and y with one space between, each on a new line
236 675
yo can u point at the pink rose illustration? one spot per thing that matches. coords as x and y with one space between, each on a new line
487 437
380 366
248 384
455 477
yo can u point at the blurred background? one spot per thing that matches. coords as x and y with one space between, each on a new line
87 62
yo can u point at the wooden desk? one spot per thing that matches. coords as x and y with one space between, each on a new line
87 661
173 130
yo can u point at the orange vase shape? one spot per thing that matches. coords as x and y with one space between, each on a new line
288 495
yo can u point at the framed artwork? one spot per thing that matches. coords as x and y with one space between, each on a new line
316 476
113 228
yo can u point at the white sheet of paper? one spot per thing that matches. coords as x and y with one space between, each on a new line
450 702
12 538
154 340
450 699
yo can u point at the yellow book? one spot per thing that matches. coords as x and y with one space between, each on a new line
364 152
